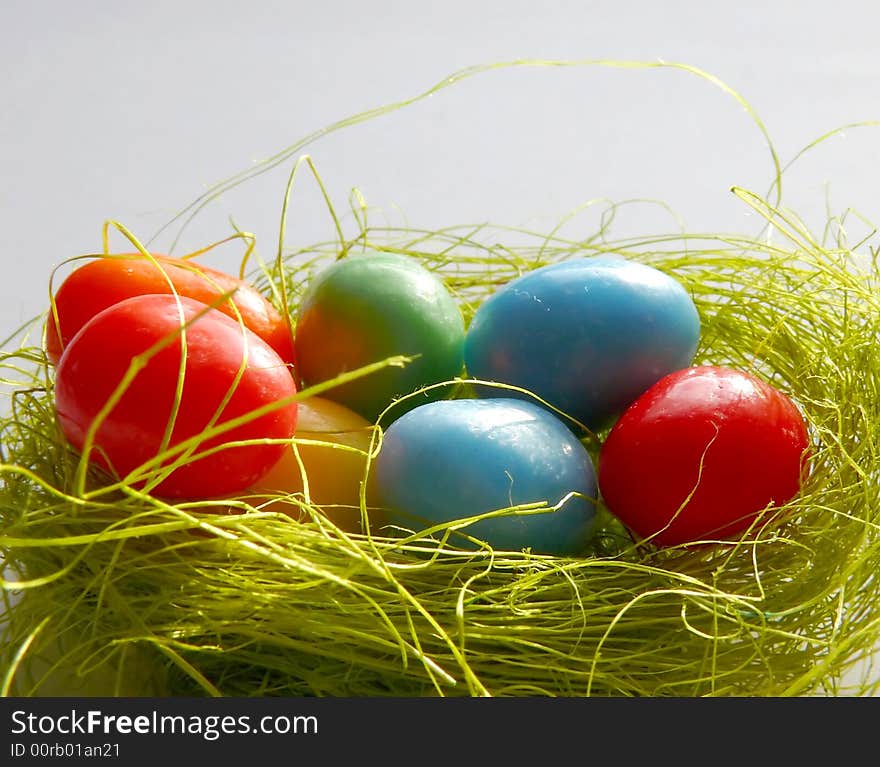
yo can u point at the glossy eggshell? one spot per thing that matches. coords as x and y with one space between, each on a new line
215 375
334 475
100 283
370 306
701 454
458 458
587 335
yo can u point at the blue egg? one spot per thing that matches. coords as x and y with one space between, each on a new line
587 335
452 459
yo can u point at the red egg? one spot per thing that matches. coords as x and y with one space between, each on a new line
701 454
103 282
136 387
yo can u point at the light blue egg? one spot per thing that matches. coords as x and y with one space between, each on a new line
452 459
587 335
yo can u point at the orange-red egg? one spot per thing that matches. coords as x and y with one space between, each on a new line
104 282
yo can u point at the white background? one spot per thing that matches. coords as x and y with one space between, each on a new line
129 110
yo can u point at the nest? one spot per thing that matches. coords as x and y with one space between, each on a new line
124 593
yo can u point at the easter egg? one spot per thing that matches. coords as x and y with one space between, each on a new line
701 454
587 335
371 306
452 459
106 281
135 387
324 432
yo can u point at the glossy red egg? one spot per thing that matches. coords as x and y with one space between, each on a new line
701 454
136 386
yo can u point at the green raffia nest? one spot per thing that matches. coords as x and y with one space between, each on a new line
130 594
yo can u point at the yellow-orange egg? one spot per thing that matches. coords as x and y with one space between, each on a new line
334 474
